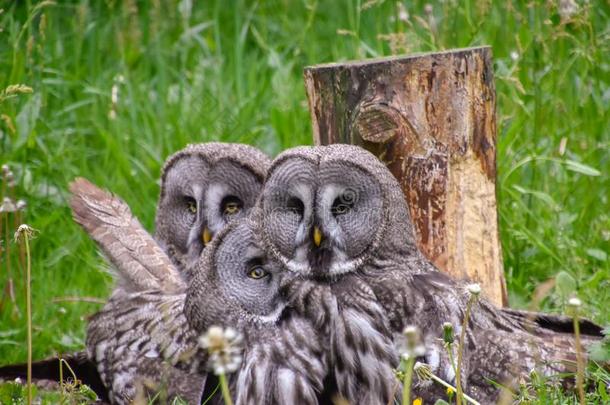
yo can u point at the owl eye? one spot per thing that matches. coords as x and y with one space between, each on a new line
257 272
295 205
342 205
191 205
231 205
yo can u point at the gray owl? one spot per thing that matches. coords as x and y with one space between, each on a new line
336 215
203 188
302 202
140 340
238 285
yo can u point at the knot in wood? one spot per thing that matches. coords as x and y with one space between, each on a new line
377 123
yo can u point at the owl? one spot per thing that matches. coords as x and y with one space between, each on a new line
337 216
203 188
140 341
303 205
238 285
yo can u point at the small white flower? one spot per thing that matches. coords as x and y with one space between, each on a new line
25 231
114 94
574 302
403 14
8 205
21 205
474 289
412 347
410 330
514 55
567 9
224 347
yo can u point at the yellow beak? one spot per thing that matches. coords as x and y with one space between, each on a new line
317 236
207 236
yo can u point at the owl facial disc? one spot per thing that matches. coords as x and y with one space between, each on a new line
320 216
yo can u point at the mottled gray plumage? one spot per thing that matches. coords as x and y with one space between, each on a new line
298 196
146 335
140 340
335 214
204 187
283 359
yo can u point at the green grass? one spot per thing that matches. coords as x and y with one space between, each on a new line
232 71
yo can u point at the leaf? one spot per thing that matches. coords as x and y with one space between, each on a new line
26 119
600 351
597 254
581 168
601 388
542 196
441 402
565 283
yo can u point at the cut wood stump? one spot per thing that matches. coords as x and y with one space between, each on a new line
431 119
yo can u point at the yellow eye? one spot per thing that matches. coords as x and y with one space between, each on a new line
231 208
192 207
257 272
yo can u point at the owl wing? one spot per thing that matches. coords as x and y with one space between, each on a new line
142 344
140 262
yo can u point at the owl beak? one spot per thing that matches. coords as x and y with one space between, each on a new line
206 236
317 236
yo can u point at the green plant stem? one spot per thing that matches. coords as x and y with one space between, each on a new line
447 385
451 359
406 388
28 294
224 386
458 377
579 363
61 379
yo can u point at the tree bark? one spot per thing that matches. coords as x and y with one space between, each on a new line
431 119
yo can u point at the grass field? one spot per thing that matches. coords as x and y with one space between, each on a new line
119 85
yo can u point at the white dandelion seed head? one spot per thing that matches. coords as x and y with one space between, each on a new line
574 302
225 349
474 289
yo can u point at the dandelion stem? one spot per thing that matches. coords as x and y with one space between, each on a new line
451 359
423 371
406 388
579 361
458 373
224 386
447 385
28 294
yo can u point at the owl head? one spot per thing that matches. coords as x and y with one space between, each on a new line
203 188
235 283
327 210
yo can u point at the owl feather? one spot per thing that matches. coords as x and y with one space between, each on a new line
141 340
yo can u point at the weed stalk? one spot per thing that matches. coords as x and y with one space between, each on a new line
575 304
24 234
413 348
224 386
474 290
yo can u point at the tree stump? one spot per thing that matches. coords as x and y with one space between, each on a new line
431 119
